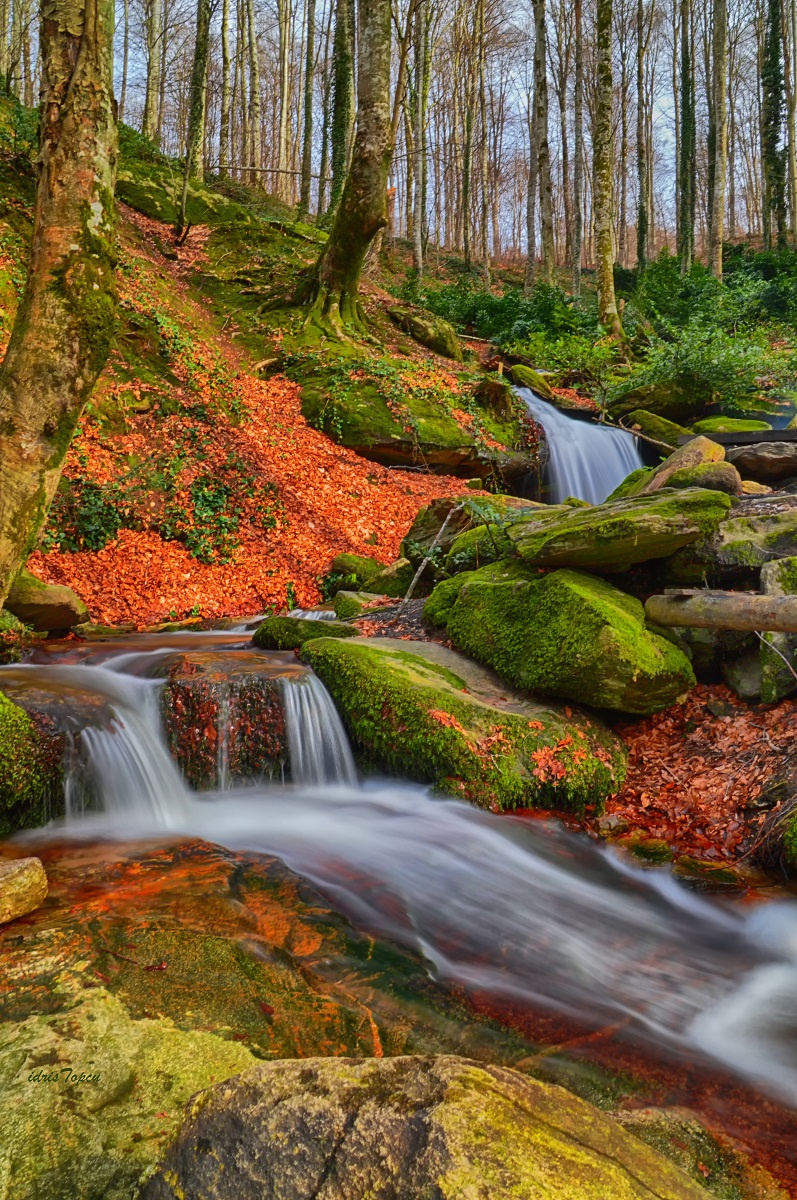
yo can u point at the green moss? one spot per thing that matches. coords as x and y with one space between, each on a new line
289 633
729 425
349 605
563 634
29 778
394 581
349 571
721 476
631 484
449 728
529 378
658 428
475 547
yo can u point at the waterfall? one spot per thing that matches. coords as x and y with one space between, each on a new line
319 748
585 459
313 614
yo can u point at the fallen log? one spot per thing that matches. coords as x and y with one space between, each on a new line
749 611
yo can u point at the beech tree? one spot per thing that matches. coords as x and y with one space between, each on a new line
602 174
66 318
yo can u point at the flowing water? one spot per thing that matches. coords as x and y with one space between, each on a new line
585 459
495 904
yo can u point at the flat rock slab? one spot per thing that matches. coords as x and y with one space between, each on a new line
612 537
403 1129
23 887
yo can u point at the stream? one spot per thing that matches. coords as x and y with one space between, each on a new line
494 904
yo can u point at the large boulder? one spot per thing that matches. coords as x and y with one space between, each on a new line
527 377
405 1128
439 523
766 462
759 529
699 452
290 633
418 709
563 634
613 536
717 476
656 427
350 571
729 425
678 400
30 791
392 581
431 331
23 887
45 607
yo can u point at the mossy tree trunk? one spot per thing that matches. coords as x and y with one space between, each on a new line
542 146
362 211
307 100
687 139
66 319
603 172
342 102
197 105
719 142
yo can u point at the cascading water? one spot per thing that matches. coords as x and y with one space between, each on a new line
494 904
313 614
585 459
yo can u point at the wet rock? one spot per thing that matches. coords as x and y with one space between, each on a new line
431 331
677 400
461 513
403 1129
756 531
45 607
394 580
349 605
766 462
527 377
418 709
631 485
30 775
289 633
23 887
351 571
565 634
613 536
743 676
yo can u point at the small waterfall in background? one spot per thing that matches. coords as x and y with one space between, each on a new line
313 614
585 459
319 748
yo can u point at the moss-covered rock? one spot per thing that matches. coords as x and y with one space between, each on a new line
756 531
527 377
564 634
698 452
44 606
394 580
290 633
613 536
458 514
729 425
719 476
778 678
631 485
29 771
350 605
418 709
431 331
409 1128
475 547
350 571
494 393
656 427
679 401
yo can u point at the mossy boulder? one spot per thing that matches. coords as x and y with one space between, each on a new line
759 529
393 581
611 537
678 400
409 1128
350 571
631 485
527 377
698 452
350 605
564 634
718 476
475 547
44 607
431 331
154 189
494 393
290 633
656 427
729 425
778 678
30 789
458 514
418 709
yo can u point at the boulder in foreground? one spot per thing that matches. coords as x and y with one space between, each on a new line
418 709
404 1129
45 607
23 887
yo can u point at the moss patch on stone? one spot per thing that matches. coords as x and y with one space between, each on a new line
29 780
656 427
417 709
632 484
729 425
475 547
564 634
289 633
394 580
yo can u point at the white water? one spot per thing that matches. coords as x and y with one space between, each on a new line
585 459
313 614
492 903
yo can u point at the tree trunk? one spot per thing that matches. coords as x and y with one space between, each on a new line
342 101
578 150
66 319
196 108
531 201
543 148
686 166
154 32
362 211
724 610
719 69
224 118
419 115
284 22
643 200
772 106
484 158
255 134
125 56
602 173
307 132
